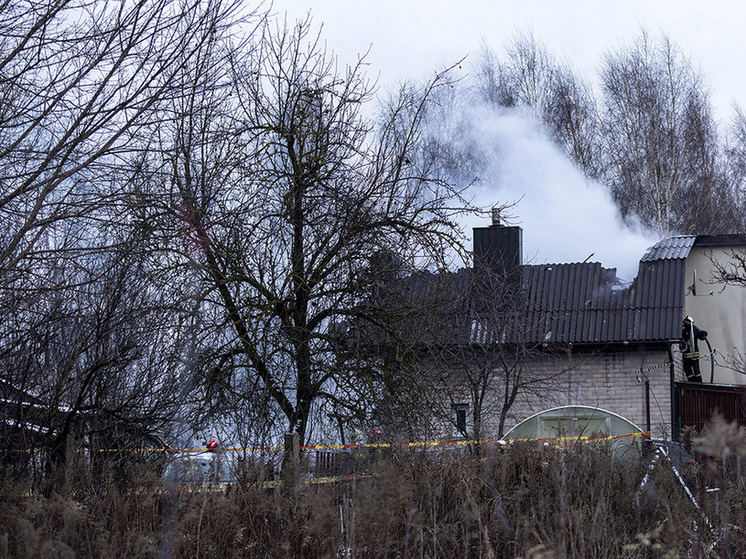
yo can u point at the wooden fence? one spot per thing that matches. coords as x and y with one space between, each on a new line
696 402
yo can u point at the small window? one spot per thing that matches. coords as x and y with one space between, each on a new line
460 416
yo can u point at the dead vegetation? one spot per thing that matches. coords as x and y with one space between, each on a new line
521 501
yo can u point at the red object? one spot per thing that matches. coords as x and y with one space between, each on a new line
375 433
212 445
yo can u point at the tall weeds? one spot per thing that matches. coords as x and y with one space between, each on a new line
522 501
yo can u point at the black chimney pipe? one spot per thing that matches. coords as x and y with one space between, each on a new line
498 255
499 248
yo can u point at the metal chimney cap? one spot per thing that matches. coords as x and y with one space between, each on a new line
495 216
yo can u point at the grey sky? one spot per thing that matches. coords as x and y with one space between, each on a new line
409 38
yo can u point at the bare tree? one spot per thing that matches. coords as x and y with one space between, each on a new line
78 80
95 360
474 356
88 345
531 78
523 78
650 136
285 191
571 114
735 163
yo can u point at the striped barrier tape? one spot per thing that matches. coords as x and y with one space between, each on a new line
583 439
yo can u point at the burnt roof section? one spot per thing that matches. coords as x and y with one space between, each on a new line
583 303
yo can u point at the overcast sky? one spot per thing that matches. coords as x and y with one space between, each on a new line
409 39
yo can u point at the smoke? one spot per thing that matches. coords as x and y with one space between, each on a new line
565 216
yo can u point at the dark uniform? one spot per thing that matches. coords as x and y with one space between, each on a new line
690 348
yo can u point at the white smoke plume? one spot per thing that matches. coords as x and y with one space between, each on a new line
565 216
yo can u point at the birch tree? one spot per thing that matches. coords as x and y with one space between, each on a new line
662 157
530 78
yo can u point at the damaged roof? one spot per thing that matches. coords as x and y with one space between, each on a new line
566 304
583 303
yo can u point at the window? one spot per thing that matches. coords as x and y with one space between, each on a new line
460 416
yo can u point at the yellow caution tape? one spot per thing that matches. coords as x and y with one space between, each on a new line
364 445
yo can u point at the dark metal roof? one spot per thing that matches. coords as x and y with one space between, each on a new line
584 303
577 303
720 240
671 247
428 308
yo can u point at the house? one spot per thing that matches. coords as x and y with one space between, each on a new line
574 334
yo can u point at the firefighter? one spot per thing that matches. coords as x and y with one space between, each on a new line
690 335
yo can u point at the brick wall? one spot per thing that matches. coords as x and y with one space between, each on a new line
611 381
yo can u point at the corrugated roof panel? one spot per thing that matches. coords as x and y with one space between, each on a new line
670 248
572 284
583 287
579 302
585 324
643 326
615 324
554 286
605 324
675 289
584 291
627 324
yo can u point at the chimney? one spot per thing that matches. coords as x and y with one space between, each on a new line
495 216
499 248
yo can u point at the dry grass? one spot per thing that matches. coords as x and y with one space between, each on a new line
518 502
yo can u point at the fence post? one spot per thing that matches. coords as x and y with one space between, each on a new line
288 484
69 462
